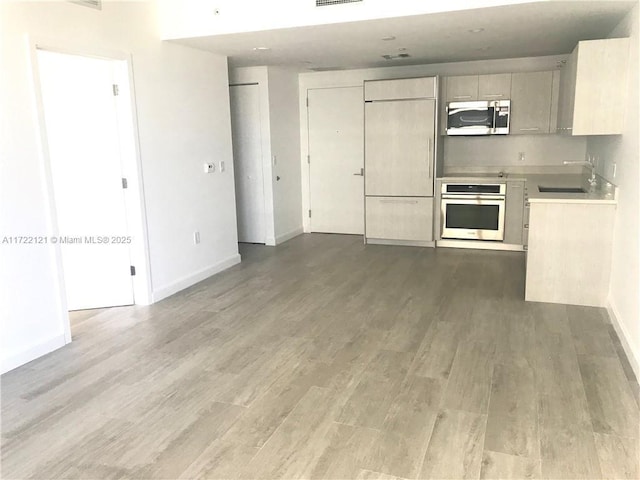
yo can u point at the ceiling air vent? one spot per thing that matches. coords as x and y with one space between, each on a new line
396 57
97 4
324 3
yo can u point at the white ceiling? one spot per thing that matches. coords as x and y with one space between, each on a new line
523 30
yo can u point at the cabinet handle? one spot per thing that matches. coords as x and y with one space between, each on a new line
529 129
462 96
493 95
429 157
399 200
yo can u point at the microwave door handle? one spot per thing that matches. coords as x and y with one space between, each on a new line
494 106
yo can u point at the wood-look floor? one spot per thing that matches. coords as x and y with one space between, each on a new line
325 358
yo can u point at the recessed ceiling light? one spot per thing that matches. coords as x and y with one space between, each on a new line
388 37
261 49
476 30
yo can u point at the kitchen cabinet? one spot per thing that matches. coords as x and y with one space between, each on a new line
402 88
531 102
593 88
399 148
399 160
407 219
468 88
569 253
514 211
494 86
462 88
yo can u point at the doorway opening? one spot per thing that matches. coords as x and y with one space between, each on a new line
94 180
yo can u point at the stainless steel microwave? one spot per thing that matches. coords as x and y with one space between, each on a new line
478 118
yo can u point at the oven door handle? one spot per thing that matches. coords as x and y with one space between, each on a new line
472 197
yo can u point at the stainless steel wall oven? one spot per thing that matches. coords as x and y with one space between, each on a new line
473 211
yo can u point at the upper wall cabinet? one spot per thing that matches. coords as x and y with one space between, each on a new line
494 87
531 102
593 87
400 89
461 89
478 87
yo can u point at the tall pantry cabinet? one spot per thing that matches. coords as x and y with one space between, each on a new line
399 160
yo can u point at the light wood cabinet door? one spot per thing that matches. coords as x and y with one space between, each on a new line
569 254
600 92
462 89
399 218
531 96
403 88
514 211
399 148
494 87
593 88
567 94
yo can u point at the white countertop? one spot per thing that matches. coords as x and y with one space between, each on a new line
603 193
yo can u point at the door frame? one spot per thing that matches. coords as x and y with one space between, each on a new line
134 200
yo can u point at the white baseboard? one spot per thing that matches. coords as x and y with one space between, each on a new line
189 280
623 335
289 235
15 359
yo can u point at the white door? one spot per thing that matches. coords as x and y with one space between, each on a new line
336 149
247 162
84 152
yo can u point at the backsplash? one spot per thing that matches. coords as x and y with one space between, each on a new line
499 151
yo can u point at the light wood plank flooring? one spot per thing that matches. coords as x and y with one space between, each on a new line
325 358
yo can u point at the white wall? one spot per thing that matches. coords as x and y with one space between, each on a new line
183 121
622 151
284 112
196 18
349 78
279 119
539 150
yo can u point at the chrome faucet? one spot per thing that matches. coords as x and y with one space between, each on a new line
587 163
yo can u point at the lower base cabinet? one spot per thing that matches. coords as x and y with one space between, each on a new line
569 253
408 219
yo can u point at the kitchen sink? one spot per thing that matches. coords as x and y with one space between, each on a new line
561 189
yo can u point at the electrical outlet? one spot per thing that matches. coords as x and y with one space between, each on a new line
221 166
209 167
196 238
521 156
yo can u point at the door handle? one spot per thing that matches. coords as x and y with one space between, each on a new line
429 157
360 174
